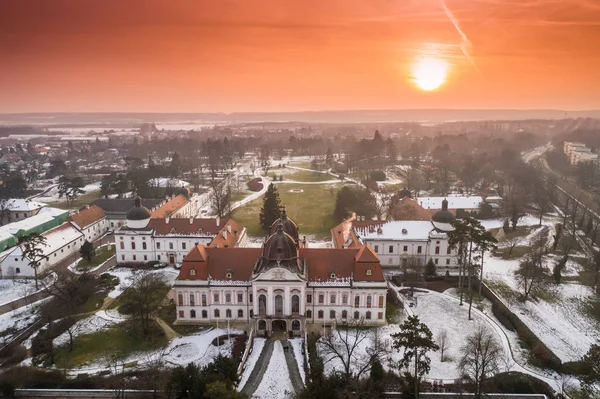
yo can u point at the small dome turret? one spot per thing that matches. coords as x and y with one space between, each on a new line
280 246
138 216
288 226
443 218
184 191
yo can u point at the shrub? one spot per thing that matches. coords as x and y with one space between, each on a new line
378 175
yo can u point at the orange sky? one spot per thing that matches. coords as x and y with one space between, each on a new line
280 55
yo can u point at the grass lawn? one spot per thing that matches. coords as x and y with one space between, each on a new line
78 202
304 175
94 302
503 290
119 340
102 255
311 209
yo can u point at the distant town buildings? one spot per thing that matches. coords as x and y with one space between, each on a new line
579 152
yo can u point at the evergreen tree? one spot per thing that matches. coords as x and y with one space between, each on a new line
430 268
271 209
33 250
87 251
175 167
416 339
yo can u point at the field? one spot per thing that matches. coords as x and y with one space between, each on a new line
306 176
311 209
78 202
102 255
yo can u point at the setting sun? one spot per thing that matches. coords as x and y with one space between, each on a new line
429 73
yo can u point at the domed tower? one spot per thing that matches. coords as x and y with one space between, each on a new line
138 216
443 218
288 226
280 250
405 192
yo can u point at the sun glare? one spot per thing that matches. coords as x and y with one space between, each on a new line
429 73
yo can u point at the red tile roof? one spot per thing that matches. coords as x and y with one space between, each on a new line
409 209
88 216
215 262
184 226
343 236
228 236
345 263
170 207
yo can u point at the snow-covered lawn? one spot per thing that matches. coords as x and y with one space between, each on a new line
198 348
88 325
52 194
257 347
11 290
299 356
276 383
20 318
560 320
125 274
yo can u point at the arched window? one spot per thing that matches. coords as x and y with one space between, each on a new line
262 325
17 270
356 301
320 314
369 301
228 313
262 304
308 314
192 314
332 314
344 314
356 315
368 316
295 325
217 313
278 305
295 304
204 314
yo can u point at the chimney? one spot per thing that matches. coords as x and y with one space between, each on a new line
218 221
191 220
167 220
229 228
225 234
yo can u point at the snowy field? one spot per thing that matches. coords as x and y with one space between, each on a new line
299 356
20 318
257 347
125 275
276 383
11 290
560 321
52 195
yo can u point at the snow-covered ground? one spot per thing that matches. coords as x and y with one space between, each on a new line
125 275
198 348
276 383
560 322
21 317
11 290
52 194
299 356
88 325
257 347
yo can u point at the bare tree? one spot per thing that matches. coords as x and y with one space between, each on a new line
220 198
145 295
532 271
481 356
344 342
442 341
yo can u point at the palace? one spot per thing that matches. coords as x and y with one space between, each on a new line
283 286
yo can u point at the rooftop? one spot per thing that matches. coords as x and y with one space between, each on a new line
88 216
170 207
393 230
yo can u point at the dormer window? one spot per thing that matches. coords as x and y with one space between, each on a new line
332 275
369 272
228 274
192 272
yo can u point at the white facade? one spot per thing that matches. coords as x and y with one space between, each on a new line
61 242
280 296
18 209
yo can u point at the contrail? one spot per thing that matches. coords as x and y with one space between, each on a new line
465 44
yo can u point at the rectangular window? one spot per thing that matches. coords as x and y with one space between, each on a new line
158 245
437 250
180 299
447 261
368 316
145 257
122 245
170 245
321 299
227 298
183 245
203 299
376 248
405 249
158 257
181 314
391 249
192 300
436 261
320 314
356 301
134 257
332 299
216 297
192 314
332 314
144 245
217 313
380 315
449 251
345 299
419 249
309 298
369 301
240 314
240 298
133 245
122 257
380 301
251 298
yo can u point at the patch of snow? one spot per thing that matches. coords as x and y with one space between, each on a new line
299 356
88 325
20 318
257 347
125 275
276 383
11 290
